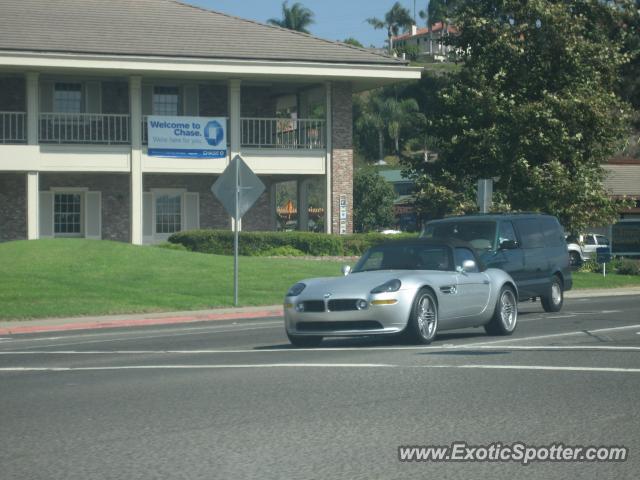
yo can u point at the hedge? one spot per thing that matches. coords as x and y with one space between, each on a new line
261 243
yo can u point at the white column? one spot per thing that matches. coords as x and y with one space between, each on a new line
32 205
135 109
303 205
328 196
234 126
33 107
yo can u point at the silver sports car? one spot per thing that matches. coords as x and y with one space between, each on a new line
412 287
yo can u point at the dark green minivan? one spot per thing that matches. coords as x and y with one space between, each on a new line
529 246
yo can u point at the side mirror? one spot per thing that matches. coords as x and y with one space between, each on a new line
469 266
346 270
508 245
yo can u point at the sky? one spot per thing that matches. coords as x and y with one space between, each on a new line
334 19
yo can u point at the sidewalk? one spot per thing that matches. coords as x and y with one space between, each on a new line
242 313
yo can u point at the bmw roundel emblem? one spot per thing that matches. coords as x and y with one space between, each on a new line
327 295
213 133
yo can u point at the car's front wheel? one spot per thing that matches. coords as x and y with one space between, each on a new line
304 341
505 315
553 300
423 323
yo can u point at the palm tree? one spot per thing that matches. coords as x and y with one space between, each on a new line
373 116
398 114
298 17
395 19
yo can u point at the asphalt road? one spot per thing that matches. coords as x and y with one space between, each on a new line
232 400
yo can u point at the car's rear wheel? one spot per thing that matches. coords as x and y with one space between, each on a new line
423 323
574 259
304 341
553 300
505 315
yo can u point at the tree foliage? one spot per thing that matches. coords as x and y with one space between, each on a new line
396 19
372 201
534 106
298 17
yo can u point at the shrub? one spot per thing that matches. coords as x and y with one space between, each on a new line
357 243
590 266
628 267
172 246
284 251
254 243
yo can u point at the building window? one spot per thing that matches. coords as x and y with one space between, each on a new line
165 101
168 212
67 214
67 98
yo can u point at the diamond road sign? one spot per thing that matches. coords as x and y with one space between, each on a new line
248 185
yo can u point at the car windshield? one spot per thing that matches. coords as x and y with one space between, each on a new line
405 257
481 235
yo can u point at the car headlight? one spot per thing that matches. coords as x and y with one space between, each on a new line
296 290
390 286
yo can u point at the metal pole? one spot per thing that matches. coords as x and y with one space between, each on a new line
235 245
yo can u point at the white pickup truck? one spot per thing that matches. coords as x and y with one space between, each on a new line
583 247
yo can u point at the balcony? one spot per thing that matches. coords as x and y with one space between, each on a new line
274 133
282 133
84 128
13 127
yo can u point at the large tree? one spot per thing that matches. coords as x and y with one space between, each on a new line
396 19
440 11
298 17
372 201
533 106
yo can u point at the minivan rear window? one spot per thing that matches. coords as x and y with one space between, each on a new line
530 232
553 233
481 235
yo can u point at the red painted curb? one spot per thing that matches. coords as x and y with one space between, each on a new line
138 322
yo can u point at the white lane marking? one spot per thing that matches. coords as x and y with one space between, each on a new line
539 367
183 367
320 365
556 335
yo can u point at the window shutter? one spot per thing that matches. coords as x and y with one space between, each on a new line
191 107
147 100
46 97
92 97
147 217
93 215
45 215
191 211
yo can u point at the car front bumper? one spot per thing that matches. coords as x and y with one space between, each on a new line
375 319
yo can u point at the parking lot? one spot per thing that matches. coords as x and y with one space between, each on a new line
235 400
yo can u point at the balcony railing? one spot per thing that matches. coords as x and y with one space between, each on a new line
13 127
282 133
94 128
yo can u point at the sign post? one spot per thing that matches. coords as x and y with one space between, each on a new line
603 256
238 188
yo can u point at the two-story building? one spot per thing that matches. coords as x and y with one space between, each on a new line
78 79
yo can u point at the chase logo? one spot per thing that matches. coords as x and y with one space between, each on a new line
213 133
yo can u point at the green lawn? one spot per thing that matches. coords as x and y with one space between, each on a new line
58 278
596 280
67 277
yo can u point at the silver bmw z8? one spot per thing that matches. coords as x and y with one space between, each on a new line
413 288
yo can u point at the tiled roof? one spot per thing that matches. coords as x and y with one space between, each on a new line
162 28
622 179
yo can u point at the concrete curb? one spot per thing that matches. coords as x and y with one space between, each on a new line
169 318
137 320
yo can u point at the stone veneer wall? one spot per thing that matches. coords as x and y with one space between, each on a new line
13 206
341 154
115 188
212 214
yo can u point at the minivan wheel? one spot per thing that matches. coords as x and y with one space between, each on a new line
553 300
505 315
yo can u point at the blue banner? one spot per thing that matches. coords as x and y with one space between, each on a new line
187 137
